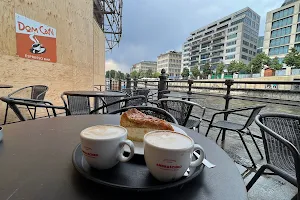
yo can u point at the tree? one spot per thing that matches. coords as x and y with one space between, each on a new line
195 71
206 70
185 72
292 59
258 62
141 74
220 68
134 74
149 73
107 74
275 64
112 73
156 75
235 66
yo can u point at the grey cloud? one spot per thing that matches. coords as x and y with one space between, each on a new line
151 27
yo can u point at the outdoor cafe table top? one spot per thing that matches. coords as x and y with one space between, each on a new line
5 86
36 163
183 95
96 93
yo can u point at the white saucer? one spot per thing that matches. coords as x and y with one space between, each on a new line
139 146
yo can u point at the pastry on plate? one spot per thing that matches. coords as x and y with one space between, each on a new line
138 124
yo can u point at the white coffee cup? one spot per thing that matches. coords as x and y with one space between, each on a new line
102 145
168 154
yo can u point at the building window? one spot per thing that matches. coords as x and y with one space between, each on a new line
282 32
231 36
282 22
229 57
297 47
244 57
230 50
278 50
283 13
297 39
231 43
237 21
245 43
245 50
232 29
280 41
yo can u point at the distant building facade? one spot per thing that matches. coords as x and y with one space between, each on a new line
282 30
144 66
260 44
171 62
233 37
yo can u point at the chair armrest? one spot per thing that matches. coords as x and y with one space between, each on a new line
32 100
232 111
18 90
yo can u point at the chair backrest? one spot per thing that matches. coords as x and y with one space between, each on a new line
153 111
180 109
135 101
77 105
37 92
144 92
127 91
254 113
113 107
281 138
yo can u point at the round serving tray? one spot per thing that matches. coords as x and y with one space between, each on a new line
133 175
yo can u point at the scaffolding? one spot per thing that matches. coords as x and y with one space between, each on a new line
108 14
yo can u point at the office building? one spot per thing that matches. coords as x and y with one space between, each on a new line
144 66
233 37
260 44
171 62
282 30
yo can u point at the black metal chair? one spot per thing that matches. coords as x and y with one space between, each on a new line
237 127
15 103
36 92
281 138
76 105
154 97
145 92
116 105
127 91
153 111
182 111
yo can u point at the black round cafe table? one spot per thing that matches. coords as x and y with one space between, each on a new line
36 163
96 93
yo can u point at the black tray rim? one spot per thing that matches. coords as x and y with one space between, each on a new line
168 185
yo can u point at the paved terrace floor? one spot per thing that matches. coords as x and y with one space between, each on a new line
267 187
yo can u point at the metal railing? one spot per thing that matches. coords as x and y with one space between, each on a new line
226 87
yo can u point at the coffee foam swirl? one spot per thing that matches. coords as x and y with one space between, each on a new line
103 132
168 140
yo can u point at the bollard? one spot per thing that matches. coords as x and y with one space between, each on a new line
135 83
145 84
190 82
162 85
227 97
124 85
128 81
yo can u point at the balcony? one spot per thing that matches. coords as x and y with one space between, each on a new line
218 42
206 39
217 54
216 60
219 35
217 48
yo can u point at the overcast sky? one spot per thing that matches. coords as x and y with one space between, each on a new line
152 27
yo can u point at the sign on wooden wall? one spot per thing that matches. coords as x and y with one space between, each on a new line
35 40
